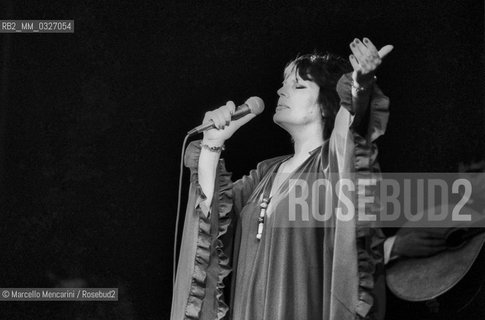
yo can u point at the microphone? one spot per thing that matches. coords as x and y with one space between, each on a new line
254 105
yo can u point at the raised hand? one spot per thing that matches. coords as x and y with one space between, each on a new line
365 60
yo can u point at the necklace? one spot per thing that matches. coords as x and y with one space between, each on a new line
263 205
266 199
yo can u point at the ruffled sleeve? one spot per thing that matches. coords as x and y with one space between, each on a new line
208 240
368 121
203 263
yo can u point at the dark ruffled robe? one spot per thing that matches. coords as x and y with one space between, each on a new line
331 273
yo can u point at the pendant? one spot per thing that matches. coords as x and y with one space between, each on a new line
262 214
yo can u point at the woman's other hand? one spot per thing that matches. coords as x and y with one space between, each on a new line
365 60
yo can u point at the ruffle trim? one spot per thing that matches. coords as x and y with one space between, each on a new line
203 250
369 240
225 207
201 263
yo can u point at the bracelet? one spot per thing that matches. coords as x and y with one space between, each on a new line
213 148
358 88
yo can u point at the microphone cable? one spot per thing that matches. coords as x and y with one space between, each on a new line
177 219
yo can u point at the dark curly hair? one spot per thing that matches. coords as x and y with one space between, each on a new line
325 70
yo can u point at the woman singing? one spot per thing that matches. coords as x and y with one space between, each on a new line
279 271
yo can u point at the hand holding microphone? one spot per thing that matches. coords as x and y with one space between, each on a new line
220 124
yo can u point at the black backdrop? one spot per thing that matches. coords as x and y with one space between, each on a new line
92 122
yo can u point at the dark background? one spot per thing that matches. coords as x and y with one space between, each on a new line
92 122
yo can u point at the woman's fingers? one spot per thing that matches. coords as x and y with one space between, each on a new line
373 60
370 46
356 50
366 54
222 115
218 119
231 106
226 112
366 58
362 48
385 50
354 62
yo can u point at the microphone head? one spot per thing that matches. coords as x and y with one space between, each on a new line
255 104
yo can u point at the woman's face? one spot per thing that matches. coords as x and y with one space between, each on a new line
297 103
